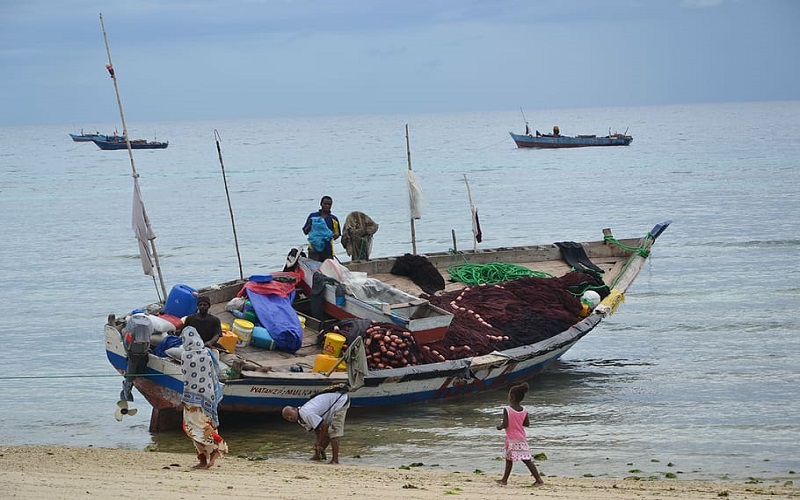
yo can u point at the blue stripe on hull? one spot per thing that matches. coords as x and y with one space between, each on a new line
257 403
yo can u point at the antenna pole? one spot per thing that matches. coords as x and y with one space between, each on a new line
230 207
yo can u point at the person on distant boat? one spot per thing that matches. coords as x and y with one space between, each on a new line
208 326
322 228
324 414
202 393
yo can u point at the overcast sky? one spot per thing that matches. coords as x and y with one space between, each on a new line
217 59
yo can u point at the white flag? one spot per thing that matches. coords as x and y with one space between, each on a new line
414 195
142 229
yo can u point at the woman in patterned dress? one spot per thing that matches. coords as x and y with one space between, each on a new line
515 419
201 395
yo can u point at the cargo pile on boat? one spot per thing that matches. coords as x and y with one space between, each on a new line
487 318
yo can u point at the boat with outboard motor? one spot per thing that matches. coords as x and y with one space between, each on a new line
498 331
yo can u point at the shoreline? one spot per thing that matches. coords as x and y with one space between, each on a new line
43 471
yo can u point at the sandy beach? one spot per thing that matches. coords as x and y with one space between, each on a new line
35 472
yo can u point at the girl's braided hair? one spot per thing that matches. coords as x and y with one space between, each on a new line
518 391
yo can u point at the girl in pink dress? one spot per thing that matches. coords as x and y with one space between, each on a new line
515 419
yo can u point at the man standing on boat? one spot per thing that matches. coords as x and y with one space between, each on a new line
321 241
207 325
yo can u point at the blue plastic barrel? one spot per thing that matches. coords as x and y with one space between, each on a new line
181 301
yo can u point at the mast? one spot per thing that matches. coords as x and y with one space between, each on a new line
411 195
217 138
150 236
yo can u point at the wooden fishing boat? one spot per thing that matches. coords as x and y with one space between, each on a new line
113 143
551 141
483 347
555 140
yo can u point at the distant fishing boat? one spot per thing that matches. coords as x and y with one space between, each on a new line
112 143
88 137
556 140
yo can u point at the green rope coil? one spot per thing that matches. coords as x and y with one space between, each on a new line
639 250
491 274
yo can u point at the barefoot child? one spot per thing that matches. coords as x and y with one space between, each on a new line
515 419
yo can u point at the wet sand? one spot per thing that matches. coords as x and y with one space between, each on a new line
36 472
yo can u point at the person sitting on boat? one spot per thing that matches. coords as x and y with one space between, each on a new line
321 245
324 414
207 325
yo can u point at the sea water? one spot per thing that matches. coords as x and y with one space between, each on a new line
695 375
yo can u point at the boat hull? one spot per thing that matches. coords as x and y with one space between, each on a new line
565 141
88 137
163 384
136 144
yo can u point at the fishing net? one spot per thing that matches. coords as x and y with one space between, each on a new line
357 235
490 274
488 318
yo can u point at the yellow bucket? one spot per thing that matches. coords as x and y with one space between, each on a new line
333 344
323 363
244 330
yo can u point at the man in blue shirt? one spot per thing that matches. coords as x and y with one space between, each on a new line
321 241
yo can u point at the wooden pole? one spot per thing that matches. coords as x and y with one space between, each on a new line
413 229
135 174
230 207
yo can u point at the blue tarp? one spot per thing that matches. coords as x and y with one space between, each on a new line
320 234
167 342
276 314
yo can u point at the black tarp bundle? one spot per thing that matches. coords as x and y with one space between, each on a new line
420 270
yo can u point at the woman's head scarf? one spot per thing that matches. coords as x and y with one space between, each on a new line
200 370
